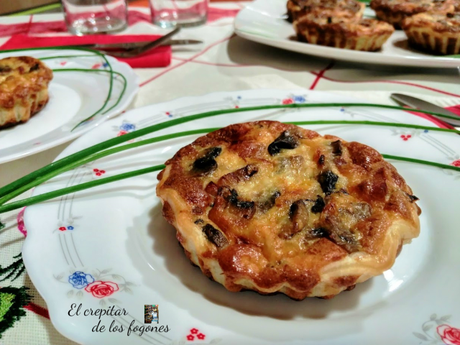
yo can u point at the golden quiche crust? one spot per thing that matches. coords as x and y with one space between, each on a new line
363 35
437 33
23 89
273 207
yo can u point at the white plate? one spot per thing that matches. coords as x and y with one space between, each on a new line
116 233
74 96
264 21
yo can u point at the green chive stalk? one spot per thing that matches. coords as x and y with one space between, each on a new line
95 156
67 161
60 192
73 189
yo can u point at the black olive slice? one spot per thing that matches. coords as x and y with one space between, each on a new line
321 160
207 163
336 148
328 180
284 141
34 67
319 205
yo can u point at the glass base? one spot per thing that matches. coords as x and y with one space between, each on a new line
182 22
96 25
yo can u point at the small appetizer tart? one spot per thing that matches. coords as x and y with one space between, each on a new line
364 35
273 207
395 11
437 33
345 9
23 89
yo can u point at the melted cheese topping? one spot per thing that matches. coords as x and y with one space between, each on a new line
395 11
449 22
412 6
339 9
273 207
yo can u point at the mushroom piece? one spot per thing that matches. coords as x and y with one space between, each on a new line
215 236
298 214
340 216
267 204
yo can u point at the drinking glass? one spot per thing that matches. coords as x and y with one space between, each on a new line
95 16
172 13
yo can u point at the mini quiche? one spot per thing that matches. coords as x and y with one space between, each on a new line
363 35
344 9
437 33
272 207
23 89
395 11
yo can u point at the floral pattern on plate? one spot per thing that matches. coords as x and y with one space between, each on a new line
437 331
99 284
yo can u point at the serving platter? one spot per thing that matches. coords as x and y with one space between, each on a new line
80 88
109 247
264 21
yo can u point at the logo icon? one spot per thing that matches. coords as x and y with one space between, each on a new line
151 313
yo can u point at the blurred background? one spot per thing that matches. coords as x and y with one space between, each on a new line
11 7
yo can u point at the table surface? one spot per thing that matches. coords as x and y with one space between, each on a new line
224 63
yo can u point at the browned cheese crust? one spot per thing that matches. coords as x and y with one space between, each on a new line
345 9
437 33
23 89
363 35
273 207
395 11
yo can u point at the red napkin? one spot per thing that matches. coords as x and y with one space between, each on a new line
157 57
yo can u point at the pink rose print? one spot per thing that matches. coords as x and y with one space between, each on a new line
456 163
101 289
449 335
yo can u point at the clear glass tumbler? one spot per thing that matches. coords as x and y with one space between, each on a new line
172 13
95 16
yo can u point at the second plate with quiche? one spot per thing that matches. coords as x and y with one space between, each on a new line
58 84
265 21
